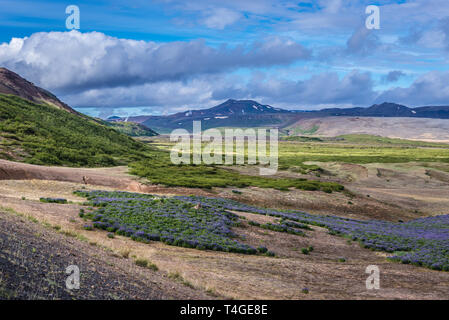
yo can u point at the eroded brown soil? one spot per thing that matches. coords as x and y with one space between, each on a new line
240 276
116 178
258 277
33 262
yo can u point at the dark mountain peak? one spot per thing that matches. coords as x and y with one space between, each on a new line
389 105
114 118
388 109
238 107
229 108
12 83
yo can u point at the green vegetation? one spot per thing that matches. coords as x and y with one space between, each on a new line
360 149
365 139
298 130
179 278
159 170
53 200
131 128
281 228
42 134
302 139
371 139
293 155
146 264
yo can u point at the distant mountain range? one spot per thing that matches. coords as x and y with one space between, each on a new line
249 113
387 109
232 113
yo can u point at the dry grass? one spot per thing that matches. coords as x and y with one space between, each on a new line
396 193
239 276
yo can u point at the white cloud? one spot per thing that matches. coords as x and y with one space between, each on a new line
354 88
73 62
393 76
362 41
162 96
204 91
220 18
431 88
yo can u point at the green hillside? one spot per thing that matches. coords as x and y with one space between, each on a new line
131 128
43 134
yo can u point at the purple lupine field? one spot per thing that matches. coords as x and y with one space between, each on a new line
205 223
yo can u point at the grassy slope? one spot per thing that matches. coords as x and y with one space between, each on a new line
42 134
131 129
367 139
378 140
359 149
202 176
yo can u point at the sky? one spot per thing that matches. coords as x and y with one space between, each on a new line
164 56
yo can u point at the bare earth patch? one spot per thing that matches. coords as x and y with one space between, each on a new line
34 258
257 277
240 276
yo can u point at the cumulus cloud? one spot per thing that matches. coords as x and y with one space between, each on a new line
363 41
355 88
327 89
220 18
394 76
434 36
70 62
431 88
162 95
444 28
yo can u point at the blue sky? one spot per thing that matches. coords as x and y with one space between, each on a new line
164 56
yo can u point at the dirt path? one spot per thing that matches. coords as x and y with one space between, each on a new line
400 193
116 177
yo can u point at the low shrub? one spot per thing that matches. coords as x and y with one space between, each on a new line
262 249
53 200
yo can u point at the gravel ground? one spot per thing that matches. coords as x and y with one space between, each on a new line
33 261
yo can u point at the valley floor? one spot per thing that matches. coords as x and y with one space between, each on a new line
194 274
